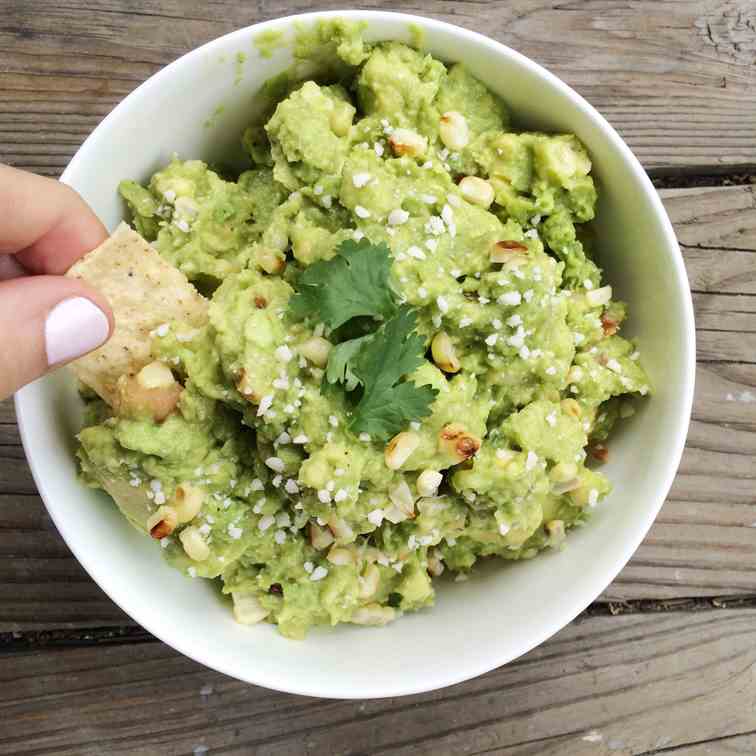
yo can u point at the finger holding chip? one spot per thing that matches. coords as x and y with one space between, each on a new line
45 320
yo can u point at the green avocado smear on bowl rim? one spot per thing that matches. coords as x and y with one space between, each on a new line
409 357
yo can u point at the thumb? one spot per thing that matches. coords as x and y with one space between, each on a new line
46 321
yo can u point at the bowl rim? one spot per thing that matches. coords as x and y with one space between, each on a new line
572 607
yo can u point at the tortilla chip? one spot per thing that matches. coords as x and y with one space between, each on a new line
145 292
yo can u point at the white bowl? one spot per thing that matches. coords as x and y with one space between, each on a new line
503 610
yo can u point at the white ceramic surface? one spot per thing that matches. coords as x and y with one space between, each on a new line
503 611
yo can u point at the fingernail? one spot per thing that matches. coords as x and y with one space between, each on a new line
74 327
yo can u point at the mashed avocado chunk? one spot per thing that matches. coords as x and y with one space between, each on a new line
410 360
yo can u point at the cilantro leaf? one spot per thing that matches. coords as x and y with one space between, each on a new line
383 414
353 283
381 361
339 368
393 351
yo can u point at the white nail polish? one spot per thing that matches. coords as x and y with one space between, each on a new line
74 327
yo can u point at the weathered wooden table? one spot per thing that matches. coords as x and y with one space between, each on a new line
665 662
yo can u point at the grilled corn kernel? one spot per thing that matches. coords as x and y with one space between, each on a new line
162 522
247 609
399 449
599 297
408 142
428 482
563 471
245 387
477 191
133 399
156 375
373 614
272 261
194 544
454 131
444 354
187 501
402 503
608 325
506 251
571 407
455 441
316 349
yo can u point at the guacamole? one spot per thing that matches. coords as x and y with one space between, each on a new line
409 359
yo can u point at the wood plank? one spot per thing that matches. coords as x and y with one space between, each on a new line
64 65
605 685
41 583
15 475
7 413
720 313
701 544
8 429
717 233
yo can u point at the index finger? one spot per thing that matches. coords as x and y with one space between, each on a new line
46 224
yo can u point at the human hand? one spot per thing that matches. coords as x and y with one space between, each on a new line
46 319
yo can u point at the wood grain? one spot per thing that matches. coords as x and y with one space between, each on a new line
702 543
604 686
676 77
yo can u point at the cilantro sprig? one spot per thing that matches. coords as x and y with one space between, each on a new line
371 369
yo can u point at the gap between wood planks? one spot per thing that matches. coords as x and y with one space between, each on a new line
662 179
